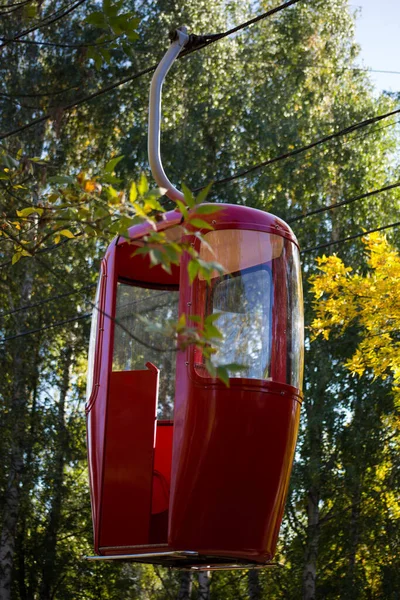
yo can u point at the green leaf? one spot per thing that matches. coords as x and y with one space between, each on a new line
109 9
30 11
210 368
98 19
16 257
208 209
143 185
213 317
196 318
132 36
156 256
25 212
189 198
181 321
211 266
200 224
182 208
112 195
202 195
110 179
133 193
236 367
61 179
193 269
105 54
153 204
9 161
116 25
223 375
212 332
66 233
110 166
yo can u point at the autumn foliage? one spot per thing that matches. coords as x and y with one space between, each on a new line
368 302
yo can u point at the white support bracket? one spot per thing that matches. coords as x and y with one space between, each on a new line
157 81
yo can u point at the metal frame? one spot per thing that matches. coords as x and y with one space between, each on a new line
183 554
155 115
172 554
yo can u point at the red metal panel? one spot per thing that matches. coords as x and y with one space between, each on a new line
279 321
128 460
162 466
233 452
232 456
161 483
97 406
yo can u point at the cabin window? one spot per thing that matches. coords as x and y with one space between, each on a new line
141 317
92 342
243 301
295 328
259 300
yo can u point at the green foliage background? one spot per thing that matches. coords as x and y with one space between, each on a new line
278 85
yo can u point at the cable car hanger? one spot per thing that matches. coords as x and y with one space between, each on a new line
180 40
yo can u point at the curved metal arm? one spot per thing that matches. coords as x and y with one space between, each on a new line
155 115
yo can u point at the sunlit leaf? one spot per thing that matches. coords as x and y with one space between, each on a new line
25 212
208 209
143 185
66 233
200 224
16 257
189 198
193 269
133 192
110 166
202 195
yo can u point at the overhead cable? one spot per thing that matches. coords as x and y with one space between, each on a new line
47 249
301 149
350 237
45 301
38 94
44 23
129 78
59 44
343 202
44 328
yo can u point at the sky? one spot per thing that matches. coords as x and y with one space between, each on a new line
378 33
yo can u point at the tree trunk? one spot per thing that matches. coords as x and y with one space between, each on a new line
19 399
185 588
50 573
315 418
313 532
27 588
204 585
254 588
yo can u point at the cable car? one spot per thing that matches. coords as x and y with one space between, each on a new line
184 471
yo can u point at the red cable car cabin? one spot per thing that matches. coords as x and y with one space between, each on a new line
206 484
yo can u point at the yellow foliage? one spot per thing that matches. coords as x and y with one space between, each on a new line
90 186
371 301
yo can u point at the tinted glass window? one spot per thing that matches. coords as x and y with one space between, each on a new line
244 303
260 301
92 343
141 315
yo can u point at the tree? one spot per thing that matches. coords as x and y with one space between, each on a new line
368 302
283 83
